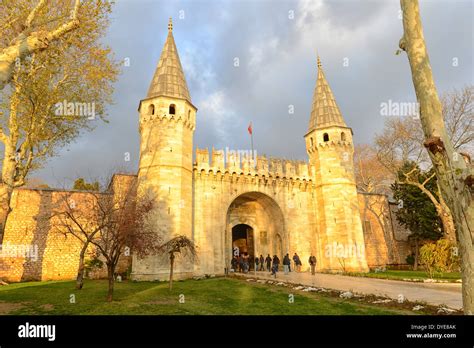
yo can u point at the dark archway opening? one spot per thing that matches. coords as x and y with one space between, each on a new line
243 243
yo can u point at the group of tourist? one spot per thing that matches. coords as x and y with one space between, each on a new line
241 263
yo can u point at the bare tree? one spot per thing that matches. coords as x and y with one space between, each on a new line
126 227
371 175
180 245
83 219
372 179
401 142
113 222
455 175
458 113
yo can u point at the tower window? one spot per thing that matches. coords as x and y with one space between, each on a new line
151 109
343 136
311 141
172 109
326 137
189 115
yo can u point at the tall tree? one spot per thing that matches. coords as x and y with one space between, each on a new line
55 95
416 211
455 175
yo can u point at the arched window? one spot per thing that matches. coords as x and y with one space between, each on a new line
326 137
311 141
189 115
151 109
172 109
343 136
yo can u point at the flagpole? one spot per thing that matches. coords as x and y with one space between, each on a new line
251 141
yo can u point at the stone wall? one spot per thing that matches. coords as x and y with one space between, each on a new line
282 211
43 251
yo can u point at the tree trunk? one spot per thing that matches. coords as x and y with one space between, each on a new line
455 177
417 251
8 181
110 276
171 270
447 219
448 225
5 197
81 268
442 210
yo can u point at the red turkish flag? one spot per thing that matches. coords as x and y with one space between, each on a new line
250 128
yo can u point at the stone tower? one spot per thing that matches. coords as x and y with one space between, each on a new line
330 149
167 123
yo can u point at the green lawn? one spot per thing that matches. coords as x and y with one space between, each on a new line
413 275
210 296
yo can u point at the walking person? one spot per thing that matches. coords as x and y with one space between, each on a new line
256 263
297 261
312 263
268 261
262 261
286 263
246 262
275 263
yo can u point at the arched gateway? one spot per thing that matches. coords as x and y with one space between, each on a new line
255 224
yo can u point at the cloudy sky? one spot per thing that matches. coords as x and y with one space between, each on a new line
276 43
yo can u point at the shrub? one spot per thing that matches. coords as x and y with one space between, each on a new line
410 259
439 257
93 264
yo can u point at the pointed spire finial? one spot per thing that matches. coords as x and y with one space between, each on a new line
169 79
325 111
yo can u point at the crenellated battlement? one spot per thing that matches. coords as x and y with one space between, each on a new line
164 117
242 162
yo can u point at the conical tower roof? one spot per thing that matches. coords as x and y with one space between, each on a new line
324 112
169 78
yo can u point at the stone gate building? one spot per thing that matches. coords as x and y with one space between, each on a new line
226 200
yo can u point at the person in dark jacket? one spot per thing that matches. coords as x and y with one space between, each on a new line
256 263
246 264
275 264
286 263
312 263
268 261
297 261
262 261
234 263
